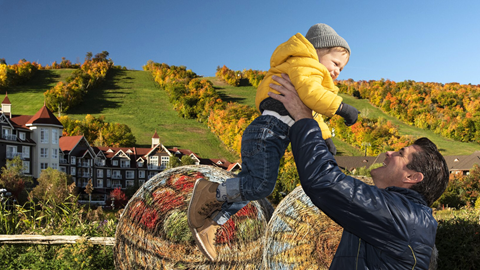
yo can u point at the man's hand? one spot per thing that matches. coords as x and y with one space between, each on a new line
289 97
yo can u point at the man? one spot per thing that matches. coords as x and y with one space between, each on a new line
386 226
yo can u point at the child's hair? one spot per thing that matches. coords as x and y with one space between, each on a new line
323 51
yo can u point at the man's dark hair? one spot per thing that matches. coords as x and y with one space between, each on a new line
432 165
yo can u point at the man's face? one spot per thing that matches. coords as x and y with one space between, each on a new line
334 61
394 171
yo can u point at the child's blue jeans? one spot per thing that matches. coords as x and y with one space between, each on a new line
263 145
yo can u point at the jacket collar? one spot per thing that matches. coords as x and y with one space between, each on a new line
410 194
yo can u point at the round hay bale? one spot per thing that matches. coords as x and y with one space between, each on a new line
301 236
153 230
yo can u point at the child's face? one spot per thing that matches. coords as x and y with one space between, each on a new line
335 60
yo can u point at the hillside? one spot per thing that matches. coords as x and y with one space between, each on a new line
246 95
131 97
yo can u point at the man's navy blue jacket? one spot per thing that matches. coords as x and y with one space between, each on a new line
390 228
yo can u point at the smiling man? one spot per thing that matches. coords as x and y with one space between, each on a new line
386 226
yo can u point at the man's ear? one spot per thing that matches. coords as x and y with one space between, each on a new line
414 178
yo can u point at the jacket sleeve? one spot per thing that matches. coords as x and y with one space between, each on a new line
359 208
309 83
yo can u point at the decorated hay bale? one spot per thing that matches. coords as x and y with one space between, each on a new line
153 230
300 236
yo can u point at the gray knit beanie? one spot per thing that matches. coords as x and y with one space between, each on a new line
323 36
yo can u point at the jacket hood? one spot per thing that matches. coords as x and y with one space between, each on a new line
296 46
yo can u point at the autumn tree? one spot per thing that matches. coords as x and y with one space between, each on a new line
12 177
187 160
89 189
174 162
52 186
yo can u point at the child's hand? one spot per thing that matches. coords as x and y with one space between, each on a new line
349 113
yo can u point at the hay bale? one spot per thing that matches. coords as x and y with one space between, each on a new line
153 231
301 236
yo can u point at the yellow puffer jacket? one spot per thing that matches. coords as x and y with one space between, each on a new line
297 58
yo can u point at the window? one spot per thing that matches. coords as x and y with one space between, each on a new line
99 183
153 162
54 136
109 173
116 174
114 162
11 151
55 166
55 153
26 166
43 166
22 136
26 151
109 183
130 183
6 133
44 152
100 173
130 174
63 169
73 160
141 174
164 161
73 171
44 135
140 163
125 163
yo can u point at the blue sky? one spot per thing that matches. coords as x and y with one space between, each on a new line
420 40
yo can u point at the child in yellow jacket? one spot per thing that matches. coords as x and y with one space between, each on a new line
312 63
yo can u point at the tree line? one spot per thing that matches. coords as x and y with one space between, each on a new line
451 110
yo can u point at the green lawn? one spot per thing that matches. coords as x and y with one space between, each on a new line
132 98
28 98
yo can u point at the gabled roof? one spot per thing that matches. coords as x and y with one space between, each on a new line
67 143
155 136
350 163
44 117
19 121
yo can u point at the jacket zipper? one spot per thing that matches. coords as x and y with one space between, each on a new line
358 252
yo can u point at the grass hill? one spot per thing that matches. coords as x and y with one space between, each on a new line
131 97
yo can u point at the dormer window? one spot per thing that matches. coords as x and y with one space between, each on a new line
22 136
115 162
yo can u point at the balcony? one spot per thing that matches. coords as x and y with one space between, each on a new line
84 164
153 167
117 176
63 161
100 163
9 137
13 155
87 175
117 186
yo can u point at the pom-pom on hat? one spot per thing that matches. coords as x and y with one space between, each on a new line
323 36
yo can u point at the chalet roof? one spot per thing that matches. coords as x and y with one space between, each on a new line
20 121
67 143
463 163
44 117
349 163
6 100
